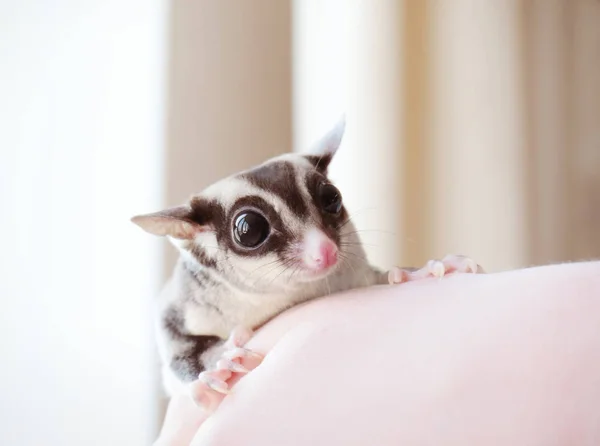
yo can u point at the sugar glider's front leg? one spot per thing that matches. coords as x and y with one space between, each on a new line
205 362
435 268
227 358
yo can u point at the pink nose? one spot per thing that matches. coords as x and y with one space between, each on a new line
326 255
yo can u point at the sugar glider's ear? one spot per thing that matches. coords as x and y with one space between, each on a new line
323 150
180 222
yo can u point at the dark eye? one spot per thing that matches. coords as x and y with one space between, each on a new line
250 229
330 198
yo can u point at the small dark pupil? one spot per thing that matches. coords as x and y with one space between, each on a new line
330 198
250 229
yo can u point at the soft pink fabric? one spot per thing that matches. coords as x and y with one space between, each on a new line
496 359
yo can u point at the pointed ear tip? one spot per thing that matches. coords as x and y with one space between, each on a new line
138 219
338 133
340 128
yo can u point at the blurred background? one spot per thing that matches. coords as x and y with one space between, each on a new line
473 127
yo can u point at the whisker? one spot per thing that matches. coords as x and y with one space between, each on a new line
354 214
364 274
347 262
294 272
359 244
262 266
369 230
354 254
361 258
284 270
280 265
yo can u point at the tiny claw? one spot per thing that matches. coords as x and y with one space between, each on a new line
200 399
396 276
230 365
436 268
241 352
238 337
216 384
472 266
461 264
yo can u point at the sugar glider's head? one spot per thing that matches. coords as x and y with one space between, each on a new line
276 226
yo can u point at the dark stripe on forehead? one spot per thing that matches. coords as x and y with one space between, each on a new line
329 223
279 178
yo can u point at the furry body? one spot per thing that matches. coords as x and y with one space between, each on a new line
251 246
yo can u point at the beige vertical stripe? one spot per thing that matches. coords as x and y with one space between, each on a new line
417 175
478 159
229 90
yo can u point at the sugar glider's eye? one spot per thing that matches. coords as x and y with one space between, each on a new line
250 229
330 198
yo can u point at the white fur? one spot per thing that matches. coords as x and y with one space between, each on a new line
201 321
331 141
208 240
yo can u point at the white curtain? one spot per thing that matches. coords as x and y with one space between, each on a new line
81 87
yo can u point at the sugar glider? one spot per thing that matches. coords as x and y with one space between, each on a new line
252 245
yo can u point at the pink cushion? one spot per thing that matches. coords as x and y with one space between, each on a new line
498 359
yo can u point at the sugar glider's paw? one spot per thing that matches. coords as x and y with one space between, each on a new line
212 385
435 268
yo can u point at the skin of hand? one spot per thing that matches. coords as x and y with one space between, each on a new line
495 359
